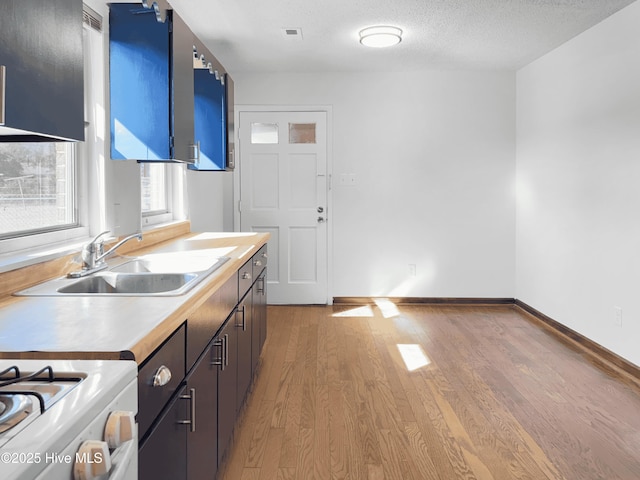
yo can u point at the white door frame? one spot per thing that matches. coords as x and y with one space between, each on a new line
237 172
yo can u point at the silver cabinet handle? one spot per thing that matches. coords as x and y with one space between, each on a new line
162 376
195 152
244 322
258 263
192 404
226 350
264 255
218 361
246 276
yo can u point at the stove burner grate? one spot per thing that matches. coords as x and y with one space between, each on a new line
45 374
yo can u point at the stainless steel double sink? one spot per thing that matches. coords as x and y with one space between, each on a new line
161 274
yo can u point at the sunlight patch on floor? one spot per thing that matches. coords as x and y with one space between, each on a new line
387 307
364 311
413 356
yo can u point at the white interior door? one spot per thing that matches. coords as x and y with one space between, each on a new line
283 191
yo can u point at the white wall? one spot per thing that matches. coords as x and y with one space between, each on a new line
210 197
578 169
433 154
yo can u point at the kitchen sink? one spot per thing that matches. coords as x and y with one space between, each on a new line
130 283
164 274
170 263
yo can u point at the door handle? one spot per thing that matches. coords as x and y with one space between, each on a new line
321 219
320 209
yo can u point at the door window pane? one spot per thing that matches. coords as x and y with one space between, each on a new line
262 133
37 187
302 133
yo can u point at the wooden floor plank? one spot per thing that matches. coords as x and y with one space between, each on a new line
495 397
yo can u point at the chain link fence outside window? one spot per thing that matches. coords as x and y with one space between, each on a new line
37 188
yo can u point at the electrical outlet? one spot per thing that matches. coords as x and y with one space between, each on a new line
412 269
618 316
348 179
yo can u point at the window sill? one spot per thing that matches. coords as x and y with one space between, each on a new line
53 251
31 256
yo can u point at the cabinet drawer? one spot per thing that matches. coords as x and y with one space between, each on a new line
151 399
259 261
245 278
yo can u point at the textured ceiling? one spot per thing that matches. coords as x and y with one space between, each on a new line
247 35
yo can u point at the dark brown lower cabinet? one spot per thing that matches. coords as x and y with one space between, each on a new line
244 329
164 452
202 439
227 341
259 318
192 434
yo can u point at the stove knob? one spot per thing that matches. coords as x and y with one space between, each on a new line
92 460
120 428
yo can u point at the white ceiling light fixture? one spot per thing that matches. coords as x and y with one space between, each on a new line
380 36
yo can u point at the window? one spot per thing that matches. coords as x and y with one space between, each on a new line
153 186
264 133
302 133
37 188
157 187
46 195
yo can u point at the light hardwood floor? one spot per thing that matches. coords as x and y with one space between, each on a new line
496 397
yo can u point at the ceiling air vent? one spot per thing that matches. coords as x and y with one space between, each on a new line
292 33
91 18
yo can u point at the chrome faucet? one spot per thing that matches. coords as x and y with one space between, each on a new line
93 254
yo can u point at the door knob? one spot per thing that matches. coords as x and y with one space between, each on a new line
320 219
320 209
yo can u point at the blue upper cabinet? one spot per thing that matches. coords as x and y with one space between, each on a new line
212 106
210 119
151 85
41 71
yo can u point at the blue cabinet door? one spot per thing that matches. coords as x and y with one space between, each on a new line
139 59
210 126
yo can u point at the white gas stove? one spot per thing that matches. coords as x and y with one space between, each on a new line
68 420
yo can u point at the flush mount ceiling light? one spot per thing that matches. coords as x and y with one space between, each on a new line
380 36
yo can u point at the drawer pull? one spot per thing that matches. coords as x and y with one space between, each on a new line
162 376
192 404
246 276
226 350
243 311
218 361
258 263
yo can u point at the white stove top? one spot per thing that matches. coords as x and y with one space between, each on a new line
26 451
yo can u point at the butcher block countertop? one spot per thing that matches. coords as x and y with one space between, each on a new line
119 327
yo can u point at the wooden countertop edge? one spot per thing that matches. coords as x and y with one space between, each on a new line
25 277
141 350
161 332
